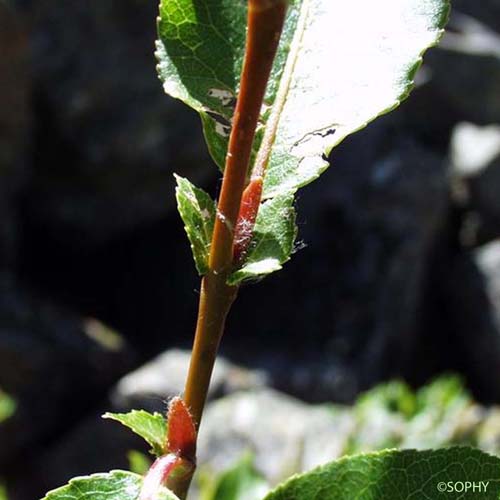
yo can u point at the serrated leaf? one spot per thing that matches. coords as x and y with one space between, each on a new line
401 475
197 211
273 239
114 485
152 427
339 65
200 55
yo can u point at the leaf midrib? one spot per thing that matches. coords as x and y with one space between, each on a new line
265 149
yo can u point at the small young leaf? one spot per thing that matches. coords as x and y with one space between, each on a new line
272 242
151 427
115 485
197 211
463 473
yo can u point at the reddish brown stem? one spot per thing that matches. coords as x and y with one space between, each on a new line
265 23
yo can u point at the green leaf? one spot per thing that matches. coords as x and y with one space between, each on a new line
152 427
339 65
241 482
115 485
399 475
273 239
200 55
197 211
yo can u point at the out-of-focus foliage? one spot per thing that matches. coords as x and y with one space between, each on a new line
7 408
138 462
392 415
241 482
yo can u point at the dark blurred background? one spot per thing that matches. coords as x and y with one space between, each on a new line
397 274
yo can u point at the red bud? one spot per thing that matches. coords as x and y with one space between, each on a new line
249 207
181 436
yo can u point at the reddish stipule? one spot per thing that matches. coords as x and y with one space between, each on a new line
249 207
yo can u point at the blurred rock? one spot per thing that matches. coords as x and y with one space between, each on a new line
487 11
469 51
473 148
50 366
164 377
488 436
391 415
15 116
475 158
474 293
284 434
484 197
105 146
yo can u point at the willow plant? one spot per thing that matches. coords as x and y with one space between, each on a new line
277 85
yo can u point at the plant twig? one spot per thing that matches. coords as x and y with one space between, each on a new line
265 23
